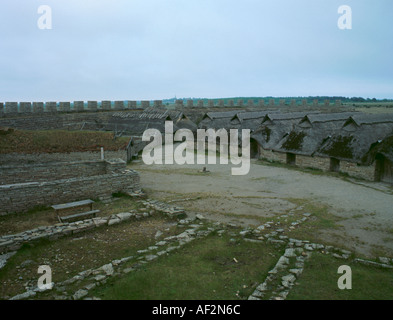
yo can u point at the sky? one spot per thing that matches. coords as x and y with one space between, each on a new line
158 49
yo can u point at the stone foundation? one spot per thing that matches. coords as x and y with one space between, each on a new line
324 164
272 156
354 170
313 162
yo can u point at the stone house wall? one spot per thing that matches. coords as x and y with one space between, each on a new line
95 180
50 171
350 168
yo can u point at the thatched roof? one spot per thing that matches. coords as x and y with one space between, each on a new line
310 134
218 120
354 145
220 115
249 120
272 117
242 116
152 118
316 118
383 147
364 118
276 126
183 122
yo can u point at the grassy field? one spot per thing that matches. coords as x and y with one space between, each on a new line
319 281
211 268
51 141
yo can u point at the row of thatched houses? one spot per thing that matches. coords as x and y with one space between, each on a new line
355 143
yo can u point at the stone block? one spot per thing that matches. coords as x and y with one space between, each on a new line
157 103
92 105
106 105
145 104
79 106
131 104
119 105
51 107
25 107
11 107
190 103
64 106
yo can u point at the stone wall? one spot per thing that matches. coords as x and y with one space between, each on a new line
355 170
24 196
145 104
272 156
106 105
12 109
22 158
157 103
21 108
313 162
350 168
10 174
119 105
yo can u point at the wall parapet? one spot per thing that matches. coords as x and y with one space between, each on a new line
21 108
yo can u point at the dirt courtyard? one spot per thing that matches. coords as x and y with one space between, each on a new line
364 209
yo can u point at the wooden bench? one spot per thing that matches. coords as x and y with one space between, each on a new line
61 208
79 216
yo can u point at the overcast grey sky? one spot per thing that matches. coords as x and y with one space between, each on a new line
155 49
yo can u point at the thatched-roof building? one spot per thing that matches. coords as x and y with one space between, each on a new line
218 120
358 134
274 127
352 143
312 132
382 153
249 120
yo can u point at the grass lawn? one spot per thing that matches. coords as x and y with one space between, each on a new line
210 268
319 281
